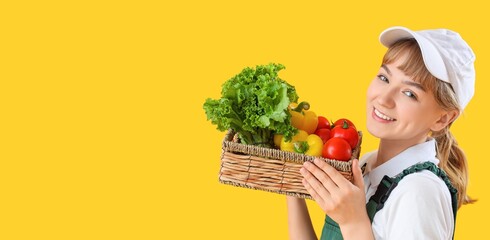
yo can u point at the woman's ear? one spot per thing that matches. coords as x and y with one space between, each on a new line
445 119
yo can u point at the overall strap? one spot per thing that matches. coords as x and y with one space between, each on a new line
387 184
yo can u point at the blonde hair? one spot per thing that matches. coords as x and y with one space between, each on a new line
451 156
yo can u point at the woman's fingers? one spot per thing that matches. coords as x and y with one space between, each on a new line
332 173
313 185
357 174
322 177
318 199
332 191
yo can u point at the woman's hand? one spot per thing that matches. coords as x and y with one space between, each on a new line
343 201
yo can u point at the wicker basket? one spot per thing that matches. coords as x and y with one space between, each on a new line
270 170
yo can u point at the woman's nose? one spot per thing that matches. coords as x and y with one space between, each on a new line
386 98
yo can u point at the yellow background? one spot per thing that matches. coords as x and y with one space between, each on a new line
103 135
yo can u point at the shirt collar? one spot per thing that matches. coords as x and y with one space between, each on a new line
422 152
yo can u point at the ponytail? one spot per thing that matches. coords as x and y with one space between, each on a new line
453 162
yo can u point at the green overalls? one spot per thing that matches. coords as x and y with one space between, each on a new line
331 230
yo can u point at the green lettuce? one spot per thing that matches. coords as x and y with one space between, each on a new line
254 103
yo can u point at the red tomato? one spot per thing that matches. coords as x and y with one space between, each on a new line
323 133
337 148
346 132
323 123
341 122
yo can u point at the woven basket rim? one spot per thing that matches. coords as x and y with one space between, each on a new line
230 145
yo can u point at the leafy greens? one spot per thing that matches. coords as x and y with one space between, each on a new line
254 103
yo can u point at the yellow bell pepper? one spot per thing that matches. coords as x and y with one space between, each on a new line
302 142
303 119
278 140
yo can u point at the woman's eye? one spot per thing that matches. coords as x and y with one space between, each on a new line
383 78
410 94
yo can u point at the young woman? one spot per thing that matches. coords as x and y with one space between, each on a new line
416 180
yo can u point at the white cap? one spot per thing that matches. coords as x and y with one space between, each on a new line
446 55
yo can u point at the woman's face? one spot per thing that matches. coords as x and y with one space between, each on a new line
399 108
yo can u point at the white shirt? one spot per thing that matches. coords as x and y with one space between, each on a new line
420 206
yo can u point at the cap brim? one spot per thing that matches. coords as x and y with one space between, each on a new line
389 36
431 56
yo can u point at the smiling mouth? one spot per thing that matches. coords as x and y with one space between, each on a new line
382 115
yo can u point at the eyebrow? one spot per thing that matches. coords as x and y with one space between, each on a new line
386 69
411 83
414 84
